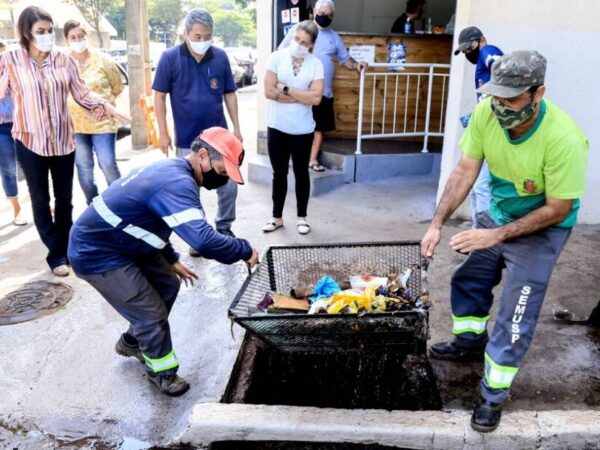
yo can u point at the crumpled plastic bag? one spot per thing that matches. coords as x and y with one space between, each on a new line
324 288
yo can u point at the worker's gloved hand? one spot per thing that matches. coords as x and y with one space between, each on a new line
184 273
253 259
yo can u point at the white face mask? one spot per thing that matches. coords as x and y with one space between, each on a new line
297 50
200 47
44 42
79 47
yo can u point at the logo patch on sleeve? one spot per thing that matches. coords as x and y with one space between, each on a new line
530 186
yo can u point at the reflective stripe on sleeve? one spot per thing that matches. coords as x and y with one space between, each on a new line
104 211
157 365
497 376
139 233
185 216
469 324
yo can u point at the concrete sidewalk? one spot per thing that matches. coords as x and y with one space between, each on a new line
60 378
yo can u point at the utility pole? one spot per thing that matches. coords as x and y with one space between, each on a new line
138 67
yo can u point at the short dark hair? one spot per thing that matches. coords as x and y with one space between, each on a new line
28 17
69 25
213 153
413 6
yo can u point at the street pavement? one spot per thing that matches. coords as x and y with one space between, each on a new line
61 382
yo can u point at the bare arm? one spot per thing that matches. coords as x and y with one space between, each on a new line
231 103
553 212
310 96
271 91
160 110
353 64
458 186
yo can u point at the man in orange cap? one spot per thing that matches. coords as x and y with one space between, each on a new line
120 245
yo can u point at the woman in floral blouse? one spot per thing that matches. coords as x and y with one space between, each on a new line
101 74
39 80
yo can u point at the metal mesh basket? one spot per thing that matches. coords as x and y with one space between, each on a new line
286 267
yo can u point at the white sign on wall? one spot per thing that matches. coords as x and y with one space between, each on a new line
134 50
363 53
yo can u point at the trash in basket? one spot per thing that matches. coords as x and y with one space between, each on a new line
354 319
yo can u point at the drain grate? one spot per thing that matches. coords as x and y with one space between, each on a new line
33 300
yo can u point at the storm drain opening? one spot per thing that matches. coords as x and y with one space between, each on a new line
288 445
33 300
368 359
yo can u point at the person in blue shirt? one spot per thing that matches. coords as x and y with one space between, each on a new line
120 245
473 44
328 46
197 77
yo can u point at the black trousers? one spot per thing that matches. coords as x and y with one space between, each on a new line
281 146
144 293
54 232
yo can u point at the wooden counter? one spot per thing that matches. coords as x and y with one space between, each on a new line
430 48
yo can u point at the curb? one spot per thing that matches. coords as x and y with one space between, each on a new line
214 422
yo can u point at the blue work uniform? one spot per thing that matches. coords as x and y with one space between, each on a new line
480 196
120 245
196 90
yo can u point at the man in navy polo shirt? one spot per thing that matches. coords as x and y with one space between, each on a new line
198 78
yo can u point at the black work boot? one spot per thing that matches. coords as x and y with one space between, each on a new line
170 384
128 346
452 351
486 416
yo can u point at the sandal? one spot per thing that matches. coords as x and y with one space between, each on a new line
303 227
316 167
271 225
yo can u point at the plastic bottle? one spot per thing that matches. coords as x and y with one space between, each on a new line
429 27
408 26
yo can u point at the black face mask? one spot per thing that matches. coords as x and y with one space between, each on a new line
323 21
212 180
473 55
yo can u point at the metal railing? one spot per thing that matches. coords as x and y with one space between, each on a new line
406 82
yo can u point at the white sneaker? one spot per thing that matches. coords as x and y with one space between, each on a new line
303 227
20 219
271 225
61 271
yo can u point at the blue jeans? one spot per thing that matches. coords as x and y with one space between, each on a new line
103 144
8 161
480 194
54 231
227 196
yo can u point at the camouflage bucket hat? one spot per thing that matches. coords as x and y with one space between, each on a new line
513 74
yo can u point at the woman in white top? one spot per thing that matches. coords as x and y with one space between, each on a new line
293 84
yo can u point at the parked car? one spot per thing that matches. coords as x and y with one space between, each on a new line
237 70
246 60
123 103
120 56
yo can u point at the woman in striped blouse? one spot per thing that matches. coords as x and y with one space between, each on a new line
39 81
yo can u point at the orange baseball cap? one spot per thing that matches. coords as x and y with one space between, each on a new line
229 146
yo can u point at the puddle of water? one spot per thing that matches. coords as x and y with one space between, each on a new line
134 444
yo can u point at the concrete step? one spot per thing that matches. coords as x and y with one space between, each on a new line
260 171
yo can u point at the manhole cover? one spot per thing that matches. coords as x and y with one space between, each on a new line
33 300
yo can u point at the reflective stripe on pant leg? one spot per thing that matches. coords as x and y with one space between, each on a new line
157 365
469 324
497 376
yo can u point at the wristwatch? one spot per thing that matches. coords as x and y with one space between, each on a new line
286 90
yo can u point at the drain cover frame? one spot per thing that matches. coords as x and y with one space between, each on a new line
32 300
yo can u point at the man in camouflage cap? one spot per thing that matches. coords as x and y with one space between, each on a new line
537 158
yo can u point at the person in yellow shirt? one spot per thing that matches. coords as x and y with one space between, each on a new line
102 75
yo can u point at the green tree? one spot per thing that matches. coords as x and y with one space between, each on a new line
164 16
93 11
115 14
234 20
